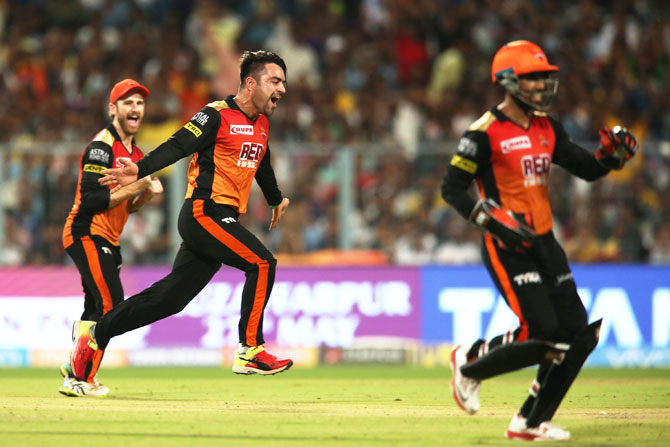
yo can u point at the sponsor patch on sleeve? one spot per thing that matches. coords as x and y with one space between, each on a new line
193 129
93 168
200 118
97 154
468 147
464 164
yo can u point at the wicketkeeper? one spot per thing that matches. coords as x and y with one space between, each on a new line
508 153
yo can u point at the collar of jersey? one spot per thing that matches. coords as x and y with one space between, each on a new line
233 105
115 134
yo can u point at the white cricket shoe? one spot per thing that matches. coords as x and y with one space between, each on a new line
464 389
546 431
76 388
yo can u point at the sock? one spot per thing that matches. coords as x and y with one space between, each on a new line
91 331
242 348
535 388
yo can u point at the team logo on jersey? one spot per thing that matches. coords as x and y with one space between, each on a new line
515 144
544 141
238 129
99 155
106 250
200 118
264 133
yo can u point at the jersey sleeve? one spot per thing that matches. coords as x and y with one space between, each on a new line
200 132
574 158
471 160
97 157
265 177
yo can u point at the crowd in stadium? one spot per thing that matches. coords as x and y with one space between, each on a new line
411 75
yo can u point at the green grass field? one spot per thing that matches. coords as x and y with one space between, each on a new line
360 406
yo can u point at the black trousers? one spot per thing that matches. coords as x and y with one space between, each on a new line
211 236
539 288
99 264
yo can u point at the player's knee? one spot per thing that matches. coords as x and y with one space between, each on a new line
267 263
589 336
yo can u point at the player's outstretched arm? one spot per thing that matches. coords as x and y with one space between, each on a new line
278 212
123 176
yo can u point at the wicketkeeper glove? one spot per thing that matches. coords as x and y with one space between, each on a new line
514 235
617 146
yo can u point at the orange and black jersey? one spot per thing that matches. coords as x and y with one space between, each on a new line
229 150
511 165
89 215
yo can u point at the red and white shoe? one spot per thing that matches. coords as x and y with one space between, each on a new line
258 361
83 352
546 431
464 389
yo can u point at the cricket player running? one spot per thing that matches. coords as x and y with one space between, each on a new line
508 152
229 143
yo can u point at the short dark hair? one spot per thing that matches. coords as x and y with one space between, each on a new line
253 62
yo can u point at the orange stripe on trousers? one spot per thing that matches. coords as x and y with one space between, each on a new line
245 253
96 271
512 299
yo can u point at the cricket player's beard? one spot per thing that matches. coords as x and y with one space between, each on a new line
130 128
266 107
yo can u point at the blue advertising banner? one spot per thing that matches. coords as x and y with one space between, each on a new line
461 304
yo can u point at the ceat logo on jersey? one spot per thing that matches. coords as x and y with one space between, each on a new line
238 129
515 144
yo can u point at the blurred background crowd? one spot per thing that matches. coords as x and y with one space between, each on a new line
394 82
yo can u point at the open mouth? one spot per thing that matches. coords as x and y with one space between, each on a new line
275 98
